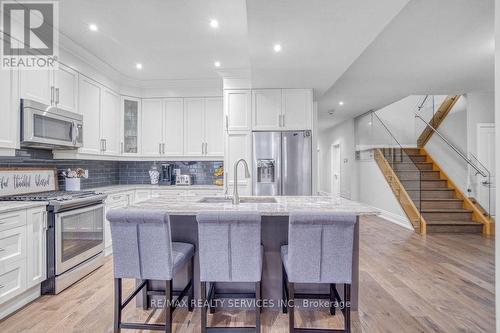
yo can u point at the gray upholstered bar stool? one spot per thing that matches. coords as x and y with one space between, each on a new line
320 251
143 249
230 251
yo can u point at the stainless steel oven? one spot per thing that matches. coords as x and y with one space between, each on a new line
45 126
79 236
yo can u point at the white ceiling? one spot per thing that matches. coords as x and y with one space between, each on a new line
172 39
320 39
431 47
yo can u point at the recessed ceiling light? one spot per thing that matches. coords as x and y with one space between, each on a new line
138 65
277 47
217 64
214 23
341 103
93 27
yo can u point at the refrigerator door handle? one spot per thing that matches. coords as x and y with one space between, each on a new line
285 158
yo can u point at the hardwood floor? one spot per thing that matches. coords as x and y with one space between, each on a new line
408 283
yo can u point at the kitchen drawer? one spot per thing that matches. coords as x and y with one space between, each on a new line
166 193
12 219
142 195
117 199
207 193
12 280
12 245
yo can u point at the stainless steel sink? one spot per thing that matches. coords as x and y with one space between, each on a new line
242 200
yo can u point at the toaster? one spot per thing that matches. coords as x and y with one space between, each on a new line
183 180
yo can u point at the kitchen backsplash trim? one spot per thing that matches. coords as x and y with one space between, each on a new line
106 173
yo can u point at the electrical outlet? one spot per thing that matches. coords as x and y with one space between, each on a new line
86 173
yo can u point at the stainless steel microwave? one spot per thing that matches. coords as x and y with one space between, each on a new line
45 126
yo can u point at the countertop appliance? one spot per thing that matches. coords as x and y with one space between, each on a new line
44 126
75 235
282 163
166 174
183 180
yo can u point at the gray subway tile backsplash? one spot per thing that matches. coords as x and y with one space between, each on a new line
105 173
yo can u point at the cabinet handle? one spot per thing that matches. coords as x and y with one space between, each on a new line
163 148
206 148
159 148
227 123
105 144
102 145
121 148
203 148
283 119
51 95
57 96
44 222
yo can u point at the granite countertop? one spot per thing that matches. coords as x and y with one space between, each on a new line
122 188
283 206
8 206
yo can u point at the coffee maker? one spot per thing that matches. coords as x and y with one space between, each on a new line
166 174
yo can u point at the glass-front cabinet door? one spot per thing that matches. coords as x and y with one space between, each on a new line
130 138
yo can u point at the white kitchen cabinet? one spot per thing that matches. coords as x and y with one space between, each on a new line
238 110
130 116
266 109
152 127
37 85
194 127
66 88
36 246
119 200
13 280
297 107
214 127
90 107
9 106
13 245
110 113
238 145
173 143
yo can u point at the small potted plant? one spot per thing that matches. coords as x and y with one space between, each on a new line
72 178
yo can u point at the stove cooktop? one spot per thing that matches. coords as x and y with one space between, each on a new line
49 196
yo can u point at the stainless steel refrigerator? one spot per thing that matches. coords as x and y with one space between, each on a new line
282 163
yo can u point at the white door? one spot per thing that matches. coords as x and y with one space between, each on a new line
9 104
174 127
37 85
266 109
194 126
36 246
66 85
486 155
151 127
214 127
90 107
110 122
297 109
238 110
336 172
238 145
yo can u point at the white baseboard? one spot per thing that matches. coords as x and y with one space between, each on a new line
19 301
395 218
108 250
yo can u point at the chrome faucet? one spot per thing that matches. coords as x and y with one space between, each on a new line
236 197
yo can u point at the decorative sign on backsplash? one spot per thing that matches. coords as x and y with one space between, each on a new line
26 180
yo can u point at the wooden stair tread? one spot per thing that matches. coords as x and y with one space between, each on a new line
452 222
446 210
442 199
430 189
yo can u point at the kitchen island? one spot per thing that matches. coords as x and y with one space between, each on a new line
275 212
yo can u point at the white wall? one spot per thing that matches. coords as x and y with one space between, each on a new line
375 191
480 109
454 129
342 134
497 143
